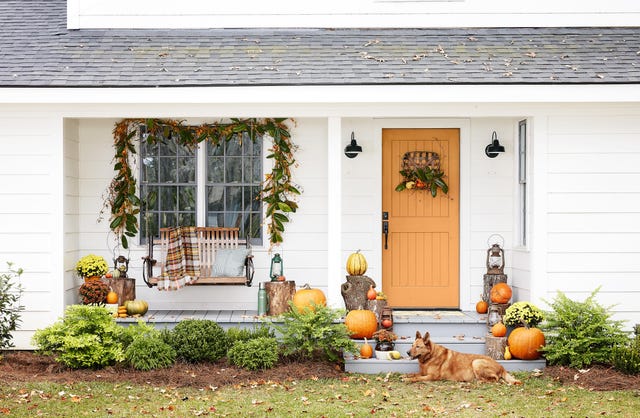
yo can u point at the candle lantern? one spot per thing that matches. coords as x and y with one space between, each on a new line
495 260
276 269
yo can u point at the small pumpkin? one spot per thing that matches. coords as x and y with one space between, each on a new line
482 307
386 323
501 293
307 298
498 330
507 353
356 264
136 307
361 322
112 297
525 342
366 351
371 293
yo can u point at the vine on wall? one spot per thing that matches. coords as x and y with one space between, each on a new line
277 193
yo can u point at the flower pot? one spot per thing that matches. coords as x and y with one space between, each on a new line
88 279
385 346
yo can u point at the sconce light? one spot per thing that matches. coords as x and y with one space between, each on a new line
353 149
494 148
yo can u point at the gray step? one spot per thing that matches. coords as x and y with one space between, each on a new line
406 365
447 324
472 345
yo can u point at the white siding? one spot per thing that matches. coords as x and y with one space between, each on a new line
336 13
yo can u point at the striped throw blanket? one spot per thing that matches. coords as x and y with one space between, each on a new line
182 259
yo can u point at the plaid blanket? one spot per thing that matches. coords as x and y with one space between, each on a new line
182 260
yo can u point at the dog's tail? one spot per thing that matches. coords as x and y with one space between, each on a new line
510 379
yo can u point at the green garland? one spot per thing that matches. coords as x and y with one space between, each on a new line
277 190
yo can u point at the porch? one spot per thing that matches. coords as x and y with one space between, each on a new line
462 331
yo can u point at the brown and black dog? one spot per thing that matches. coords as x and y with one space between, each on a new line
440 363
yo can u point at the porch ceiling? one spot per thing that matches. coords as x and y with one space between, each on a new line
38 50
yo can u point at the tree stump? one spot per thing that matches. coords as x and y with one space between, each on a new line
494 346
354 292
489 281
377 306
279 295
125 288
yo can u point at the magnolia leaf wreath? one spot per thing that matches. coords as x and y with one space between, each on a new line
277 193
423 178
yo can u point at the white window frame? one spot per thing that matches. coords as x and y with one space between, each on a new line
522 181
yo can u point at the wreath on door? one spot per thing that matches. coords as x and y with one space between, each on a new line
421 171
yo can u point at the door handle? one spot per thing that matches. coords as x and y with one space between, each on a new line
385 231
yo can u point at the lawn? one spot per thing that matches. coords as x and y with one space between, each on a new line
351 395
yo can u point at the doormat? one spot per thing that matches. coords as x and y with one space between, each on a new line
428 313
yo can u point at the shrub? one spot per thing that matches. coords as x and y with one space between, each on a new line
626 358
197 340
315 332
579 334
149 353
140 330
86 337
10 308
254 354
245 334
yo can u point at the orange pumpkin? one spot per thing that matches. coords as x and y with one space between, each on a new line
371 293
525 342
366 351
498 330
362 323
482 307
307 298
501 293
112 297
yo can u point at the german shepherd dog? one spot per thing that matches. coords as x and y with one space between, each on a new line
440 363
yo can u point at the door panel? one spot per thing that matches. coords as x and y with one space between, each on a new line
420 266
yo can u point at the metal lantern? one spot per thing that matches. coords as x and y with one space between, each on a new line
495 260
276 267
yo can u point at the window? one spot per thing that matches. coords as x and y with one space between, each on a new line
522 181
230 172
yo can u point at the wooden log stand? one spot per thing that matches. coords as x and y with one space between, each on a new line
494 346
489 281
354 291
279 294
125 288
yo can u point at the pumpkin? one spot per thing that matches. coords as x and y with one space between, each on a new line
386 323
371 293
307 298
112 297
356 264
366 351
498 330
482 307
362 323
525 342
501 293
136 307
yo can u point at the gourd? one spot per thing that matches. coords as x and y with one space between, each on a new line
498 330
500 293
525 342
507 353
371 293
112 297
366 351
361 322
482 307
307 298
136 307
356 264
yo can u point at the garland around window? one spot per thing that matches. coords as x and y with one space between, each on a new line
278 191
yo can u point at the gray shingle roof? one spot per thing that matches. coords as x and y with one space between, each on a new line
36 50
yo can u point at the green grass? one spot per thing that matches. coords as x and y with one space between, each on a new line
354 395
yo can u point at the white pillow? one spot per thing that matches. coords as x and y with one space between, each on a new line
229 262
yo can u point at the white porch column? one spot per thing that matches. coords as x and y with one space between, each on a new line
334 211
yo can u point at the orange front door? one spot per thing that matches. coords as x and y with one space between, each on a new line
420 253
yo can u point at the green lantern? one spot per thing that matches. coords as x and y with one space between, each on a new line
276 267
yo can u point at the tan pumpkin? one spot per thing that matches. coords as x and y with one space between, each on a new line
136 307
356 264
501 293
498 330
307 298
525 342
362 323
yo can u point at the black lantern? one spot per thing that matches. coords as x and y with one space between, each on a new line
353 149
494 148
276 267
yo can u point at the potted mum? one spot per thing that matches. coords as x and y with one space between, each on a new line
385 340
92 266
522 314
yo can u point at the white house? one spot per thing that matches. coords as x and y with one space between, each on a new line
557 82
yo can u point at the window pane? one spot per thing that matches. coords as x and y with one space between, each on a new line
215 219
215 199
233 198
168 198
187 199
257 148
233 170
167 219
215 150
256 204
167 170
186 170
232 219
234 147
215 170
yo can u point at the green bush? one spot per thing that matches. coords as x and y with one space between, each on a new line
579 334
198 340
10 308
140 330
149 353
316 332
254 354
245 334
86 337
626 358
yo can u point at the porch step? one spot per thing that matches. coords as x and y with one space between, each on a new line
406 365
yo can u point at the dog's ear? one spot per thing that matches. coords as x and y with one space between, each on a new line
426 337
418 336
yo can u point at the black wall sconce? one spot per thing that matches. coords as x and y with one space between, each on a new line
494 148
353 149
